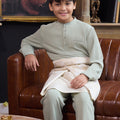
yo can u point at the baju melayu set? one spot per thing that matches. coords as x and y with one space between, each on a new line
74 49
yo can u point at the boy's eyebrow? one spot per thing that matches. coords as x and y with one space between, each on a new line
63 0
66 0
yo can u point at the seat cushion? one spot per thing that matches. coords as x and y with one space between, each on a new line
30 97
108 101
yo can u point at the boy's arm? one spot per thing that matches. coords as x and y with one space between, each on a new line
31 42
28 45
96 57
96 62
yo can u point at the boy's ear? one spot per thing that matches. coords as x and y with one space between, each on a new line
74 5
50 7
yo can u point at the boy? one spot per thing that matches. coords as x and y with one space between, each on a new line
77 57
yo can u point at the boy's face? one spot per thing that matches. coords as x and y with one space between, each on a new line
63 10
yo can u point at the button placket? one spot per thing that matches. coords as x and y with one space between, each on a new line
64 34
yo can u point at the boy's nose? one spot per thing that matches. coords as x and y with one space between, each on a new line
63 7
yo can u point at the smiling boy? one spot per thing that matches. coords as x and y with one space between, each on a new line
78 62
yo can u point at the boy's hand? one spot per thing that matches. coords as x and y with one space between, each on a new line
79 81
31 62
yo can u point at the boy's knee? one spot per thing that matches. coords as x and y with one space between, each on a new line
82 101
53 96
82 98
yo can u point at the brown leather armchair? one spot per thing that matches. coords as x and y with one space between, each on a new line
24 86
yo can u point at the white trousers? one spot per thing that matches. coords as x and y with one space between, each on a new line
54 100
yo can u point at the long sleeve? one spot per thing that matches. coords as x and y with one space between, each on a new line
31 42
95 54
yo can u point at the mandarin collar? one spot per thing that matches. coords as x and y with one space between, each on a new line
74 19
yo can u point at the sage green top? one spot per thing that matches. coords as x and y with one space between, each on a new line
73 39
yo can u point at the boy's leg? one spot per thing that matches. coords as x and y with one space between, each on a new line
83 106
53 103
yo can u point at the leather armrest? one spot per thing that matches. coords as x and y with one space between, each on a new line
19 78
15 76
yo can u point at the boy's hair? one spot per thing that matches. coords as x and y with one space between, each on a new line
51 1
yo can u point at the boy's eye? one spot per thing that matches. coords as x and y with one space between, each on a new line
57 4
68 3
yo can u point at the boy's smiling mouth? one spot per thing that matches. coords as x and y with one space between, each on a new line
63 14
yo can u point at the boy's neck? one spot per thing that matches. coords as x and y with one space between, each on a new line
64 22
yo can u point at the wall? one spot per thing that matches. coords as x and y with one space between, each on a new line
11 34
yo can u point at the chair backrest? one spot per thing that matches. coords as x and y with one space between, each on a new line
111 53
